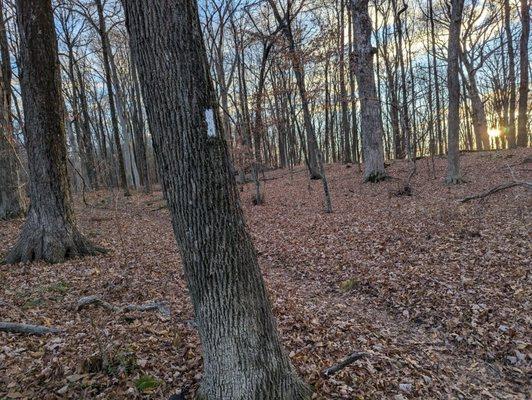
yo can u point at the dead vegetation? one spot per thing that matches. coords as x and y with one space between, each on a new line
434 293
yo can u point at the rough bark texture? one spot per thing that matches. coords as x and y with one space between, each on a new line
11 204
243 357
453 85
510 134
522 133
50 231
370 110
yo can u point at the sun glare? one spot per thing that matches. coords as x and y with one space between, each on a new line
494 133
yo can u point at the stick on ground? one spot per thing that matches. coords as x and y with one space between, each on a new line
13 327
350 359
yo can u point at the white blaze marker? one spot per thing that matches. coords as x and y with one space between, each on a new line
211 127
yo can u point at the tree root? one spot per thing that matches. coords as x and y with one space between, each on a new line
86 301
12 327
504 186
53 247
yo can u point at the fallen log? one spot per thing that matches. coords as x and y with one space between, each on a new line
350 359
86 301
496 189
12 327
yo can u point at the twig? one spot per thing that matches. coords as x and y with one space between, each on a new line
350 359
12 327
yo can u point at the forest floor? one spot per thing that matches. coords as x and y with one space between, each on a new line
436 293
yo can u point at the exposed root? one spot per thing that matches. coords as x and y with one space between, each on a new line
12 327
86 301
54 247
376 177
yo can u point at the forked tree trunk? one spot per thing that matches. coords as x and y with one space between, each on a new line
522 133
243 356
370 109
11 204
453 85
50 231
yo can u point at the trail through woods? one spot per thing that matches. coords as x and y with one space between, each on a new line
436 292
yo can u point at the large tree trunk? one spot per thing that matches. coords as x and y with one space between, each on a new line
453 85
522 134
11 204
370 110
510 134
50 231
243 356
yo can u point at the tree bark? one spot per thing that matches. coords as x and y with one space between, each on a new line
522 134
510 135
11 203
243 356
370 110
453 85
50 231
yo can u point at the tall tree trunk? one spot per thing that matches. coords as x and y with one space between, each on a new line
299 72
370 110
480 122
11 203
511 76
439 131
50 231
522 134
142 160
243 356
453 85
86 132
344 100
106 49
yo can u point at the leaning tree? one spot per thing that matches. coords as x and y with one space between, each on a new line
243 356
50 232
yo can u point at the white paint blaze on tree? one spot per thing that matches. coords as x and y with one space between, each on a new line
370 110
453 85
243 356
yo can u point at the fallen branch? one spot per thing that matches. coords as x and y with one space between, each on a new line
350 359
496 189
12 327
86 301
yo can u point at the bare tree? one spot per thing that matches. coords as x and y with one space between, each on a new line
11 204
50 232
370 110
243 356
453 85
522 133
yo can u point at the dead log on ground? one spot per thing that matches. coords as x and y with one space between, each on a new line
496 189
350 359
12 327
86 301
